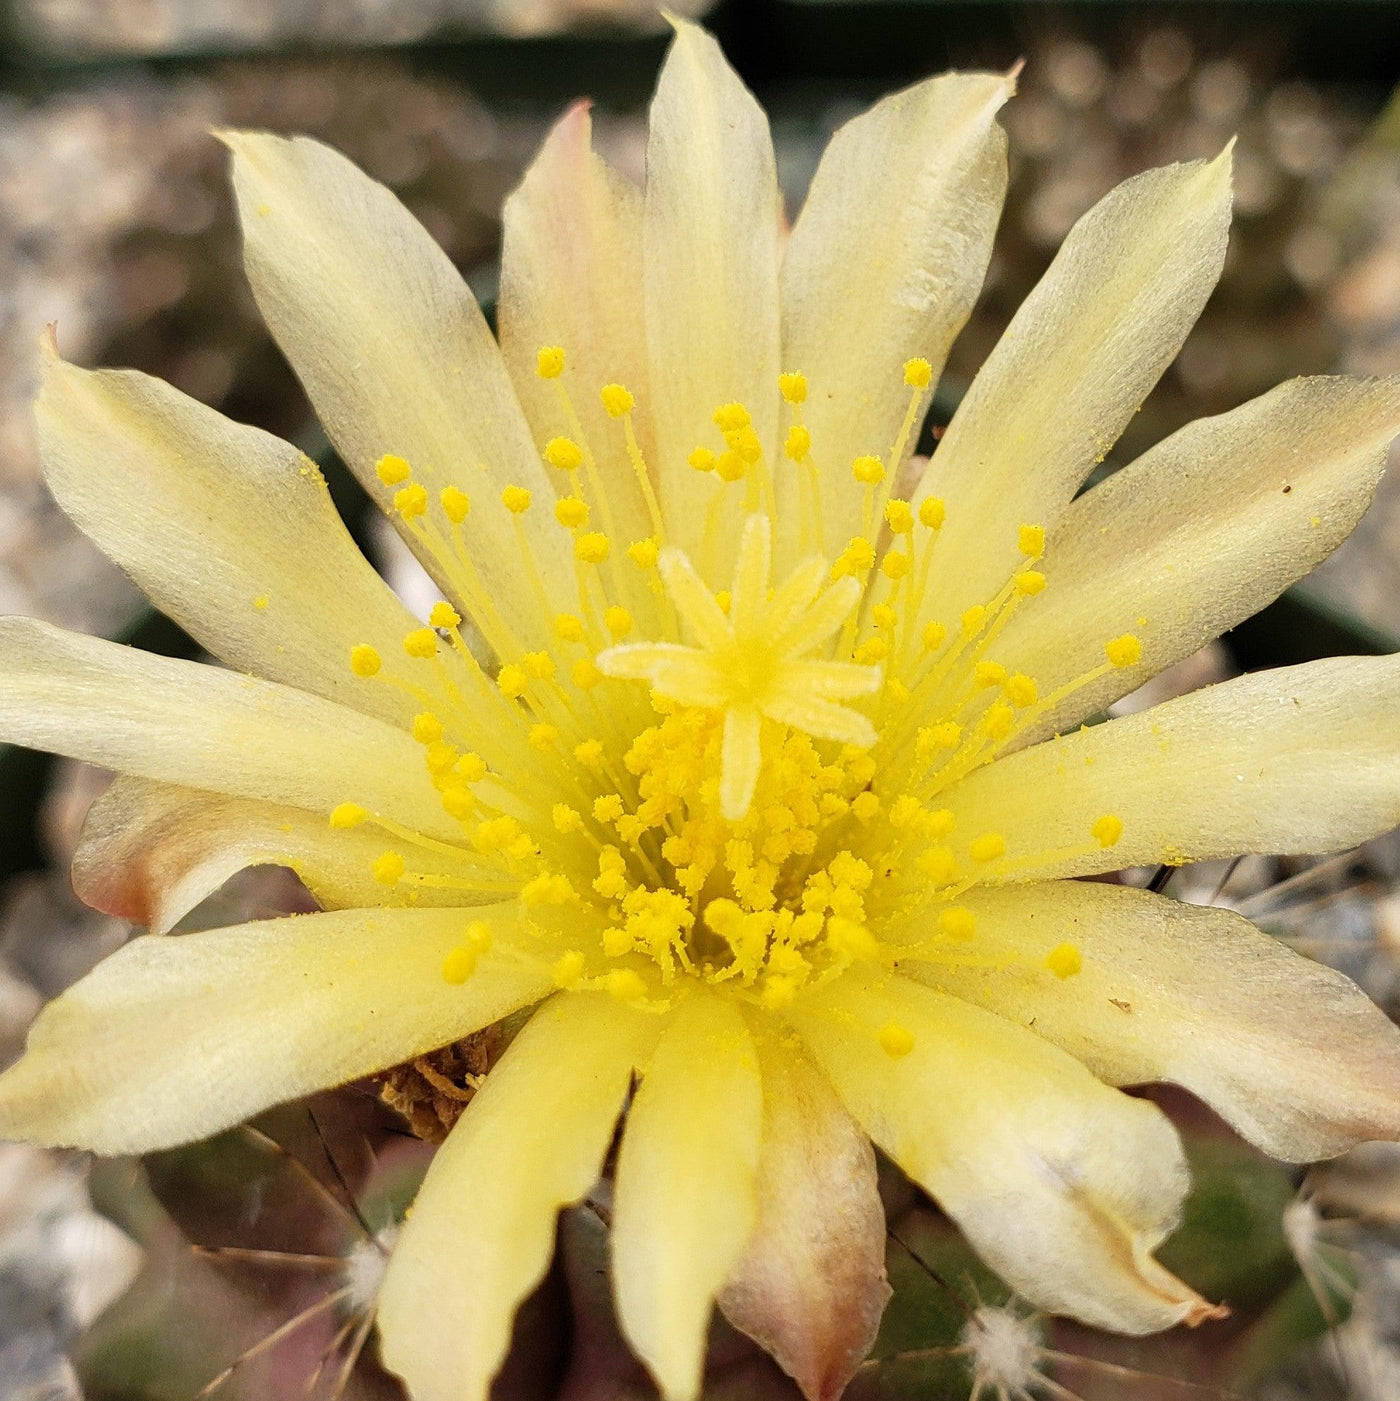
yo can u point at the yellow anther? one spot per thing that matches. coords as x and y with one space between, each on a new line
470 767
618 399
566 819
411 501
900 516
730 418
778 991
644 553
988 847
458 802
456 504
702 459
547 888
998 720
387 868
856 558
364 660
869 470
731 466
1064 961
957 922
543 737
391 470
989 673
549 362
625 984
568 627
618 621
440 756
973 619
798 443
458 966
568 969
933 636
592 548
512 681
896 1041
895 565
444 615
918 373
865 806
563 453
850 939
348 815
570 512
872 650
262 602
1030 540
608 807
793 386
937 823
884 617
1107 830
586 674
1029 582
932 512
540 665
516 500
747 444
725 600
932 738
939 865
1124 651
421 643
589 752
1021 690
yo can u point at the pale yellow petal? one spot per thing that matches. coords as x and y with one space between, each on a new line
482 1229
1062 1185
1301 759
710 271
741 758
686 1193
571 276
1201 532
174 1038
1292 1054
203 727
150 852
227 529
884 264
811 1287
394 354
1073 367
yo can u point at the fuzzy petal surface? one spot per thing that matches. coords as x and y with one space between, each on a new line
202 727
885 263
710 272
1294 1055
175 1038
1200 533
482 1230
228 530
150 852
394 353
686 1188
1062 1185
1299 759
810 1287
1072 368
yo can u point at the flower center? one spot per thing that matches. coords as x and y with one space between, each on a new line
766 811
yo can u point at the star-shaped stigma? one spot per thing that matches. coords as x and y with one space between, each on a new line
754 663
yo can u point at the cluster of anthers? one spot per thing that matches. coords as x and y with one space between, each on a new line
767 812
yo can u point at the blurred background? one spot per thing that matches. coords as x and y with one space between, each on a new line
149 1279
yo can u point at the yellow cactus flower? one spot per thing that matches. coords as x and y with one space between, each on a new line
813 885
